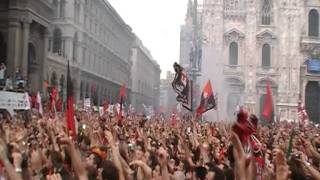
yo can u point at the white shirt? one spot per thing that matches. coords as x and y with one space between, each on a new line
2 73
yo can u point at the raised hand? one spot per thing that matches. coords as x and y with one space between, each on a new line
162 157
282 169
54 177
244 167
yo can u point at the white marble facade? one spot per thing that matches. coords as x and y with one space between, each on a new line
248 42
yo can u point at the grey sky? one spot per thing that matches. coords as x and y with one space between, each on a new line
157 24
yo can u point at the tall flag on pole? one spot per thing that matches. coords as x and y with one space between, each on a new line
302 113
70 111
182 86
207 100
122 95
39 102
267 107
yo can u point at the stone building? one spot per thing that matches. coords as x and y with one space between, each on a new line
168 101
39 37
247 43
145 75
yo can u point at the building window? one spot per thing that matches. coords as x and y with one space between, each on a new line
266 56
62 8
32 54
313 23
233 54
76 12
266 12
57 41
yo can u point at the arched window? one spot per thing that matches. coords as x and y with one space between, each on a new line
266 56
313 23
62 8
57 41
75 47
76 11
31 54
233 54
266 12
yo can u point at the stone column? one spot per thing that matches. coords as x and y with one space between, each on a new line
25 47
77 88
44 63
13 51
303 90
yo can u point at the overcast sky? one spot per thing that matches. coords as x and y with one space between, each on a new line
157 24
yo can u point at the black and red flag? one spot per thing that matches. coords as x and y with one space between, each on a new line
182 86
208 100
70 111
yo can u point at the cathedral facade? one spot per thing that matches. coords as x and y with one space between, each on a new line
247 43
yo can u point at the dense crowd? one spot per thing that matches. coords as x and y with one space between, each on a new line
156 149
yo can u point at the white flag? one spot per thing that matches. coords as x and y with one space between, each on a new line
40 103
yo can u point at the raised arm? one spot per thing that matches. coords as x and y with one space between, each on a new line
115 154
77 163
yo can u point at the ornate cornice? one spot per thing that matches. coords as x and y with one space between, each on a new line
266 36
233 35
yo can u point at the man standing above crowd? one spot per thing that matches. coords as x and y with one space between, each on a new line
2 74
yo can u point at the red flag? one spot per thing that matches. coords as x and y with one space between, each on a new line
267 107
207 100
122 95
122 92
70 113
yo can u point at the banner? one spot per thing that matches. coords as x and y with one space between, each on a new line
14 101
87 104
182 86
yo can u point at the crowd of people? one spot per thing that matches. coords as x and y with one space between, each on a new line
109 147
